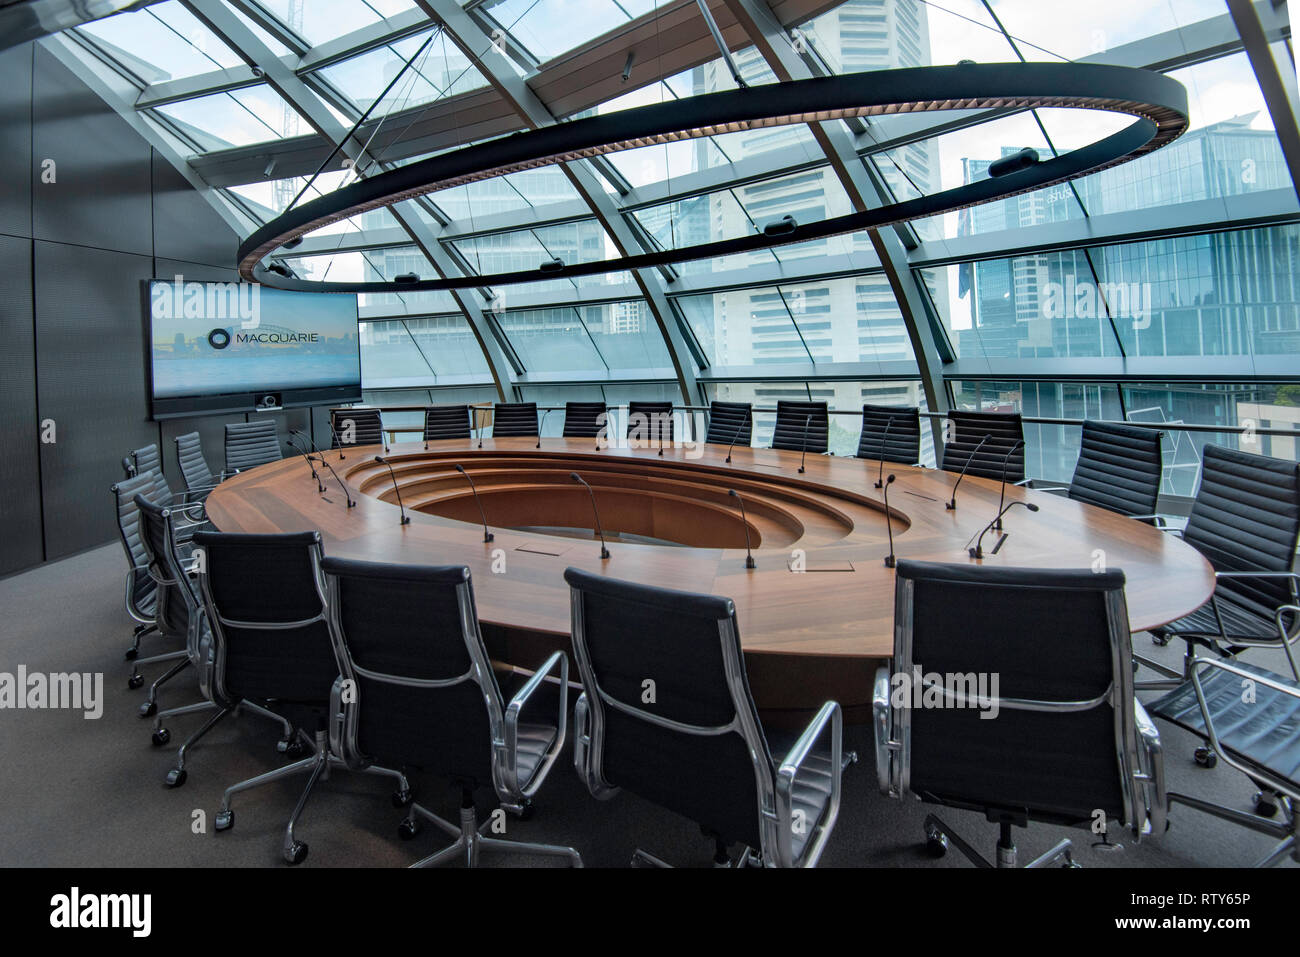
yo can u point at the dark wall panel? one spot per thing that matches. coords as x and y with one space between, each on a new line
101 197
90 377
20 494
186 227
16 137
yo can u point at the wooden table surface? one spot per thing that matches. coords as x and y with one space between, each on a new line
808 635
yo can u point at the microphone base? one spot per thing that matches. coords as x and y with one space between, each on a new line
488 537
604 552
728 459
976 552
406 520
950 506
879 485
801 470
890 561
749 562
997 526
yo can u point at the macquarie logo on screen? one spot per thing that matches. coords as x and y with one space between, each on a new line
228 337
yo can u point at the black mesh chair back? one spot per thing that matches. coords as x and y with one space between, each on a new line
891 433
408 636
514 419
650 421
446 422
350 427
583 420
140 586
198 477
264 596
1063 741
250 444
801 425
730 422
699 749
1119 468
1004 430
144 459
1246 518
175 603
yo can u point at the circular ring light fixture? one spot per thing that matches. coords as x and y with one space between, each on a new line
1158 103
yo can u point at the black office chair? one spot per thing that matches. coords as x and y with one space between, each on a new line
180 615
417 690
1003 430
250 444
801 426
730 422
349 427
511 419
144 459
891 434
697 748
141 591
1246 522
1255 733
650 421
446 422
1119 469
264 598
1045 652
584 420
198 477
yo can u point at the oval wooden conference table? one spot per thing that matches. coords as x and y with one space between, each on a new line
816 616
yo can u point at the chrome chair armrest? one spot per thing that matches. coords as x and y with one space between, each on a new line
1049 488
1154 518
132 576
880 712
514 711
1152 769
787 773
1024 483
1275 682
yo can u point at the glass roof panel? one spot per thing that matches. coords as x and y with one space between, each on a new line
254 114
1230 149
549 28
419 351
438 71
1071 31
322 20
581 241
162 42
503 194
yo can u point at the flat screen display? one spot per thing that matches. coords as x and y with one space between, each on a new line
216 346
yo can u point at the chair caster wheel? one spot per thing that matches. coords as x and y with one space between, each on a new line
224 820
1071 864
1159 640
131 654
295 853
936 842
1265 804
135 681
148 709
161 736
292 749
407 829
528 811
1205 757
176 777
403 797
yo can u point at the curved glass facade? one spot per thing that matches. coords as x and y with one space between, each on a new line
1164 290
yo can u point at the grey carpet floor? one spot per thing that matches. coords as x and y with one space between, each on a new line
78 793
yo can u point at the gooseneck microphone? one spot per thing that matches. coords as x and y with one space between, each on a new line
311 464
977 551
342 484
749 554
952 502
406 519
1002 496
880 479
890 561
539 427
807 423
487 535
739 428
604 552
